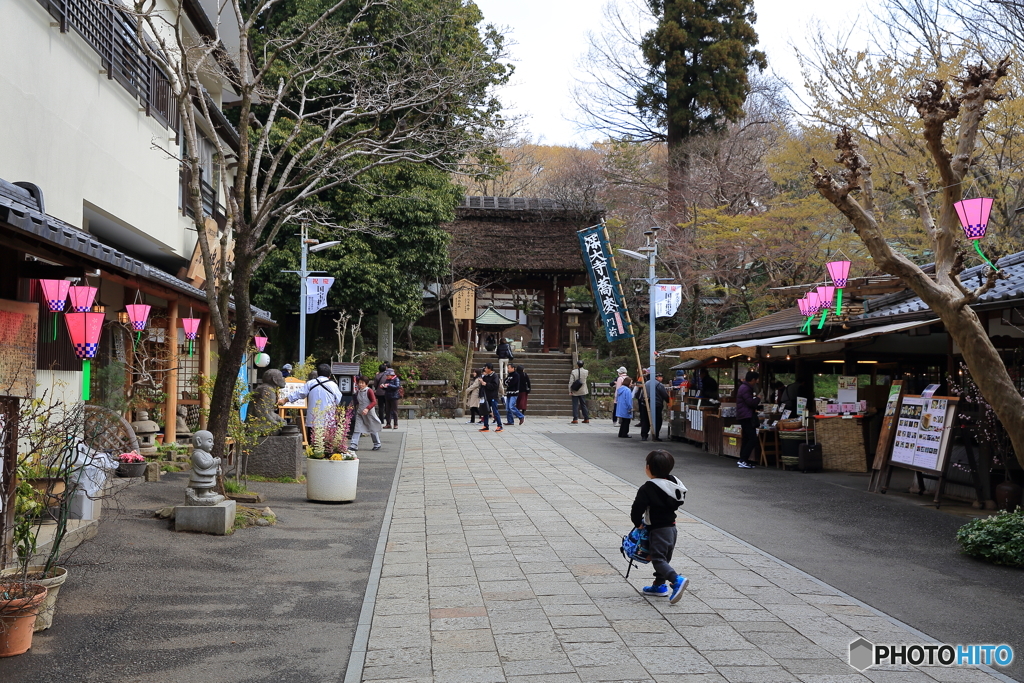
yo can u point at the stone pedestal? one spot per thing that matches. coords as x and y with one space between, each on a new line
277 456
208 519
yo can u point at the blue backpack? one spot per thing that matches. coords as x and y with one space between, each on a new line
635 548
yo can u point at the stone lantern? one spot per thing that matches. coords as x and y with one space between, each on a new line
146 430
573 322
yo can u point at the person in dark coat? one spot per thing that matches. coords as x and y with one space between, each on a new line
660 398
491 392
746 414
512 395
524 389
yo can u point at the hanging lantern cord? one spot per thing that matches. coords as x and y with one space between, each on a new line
977 248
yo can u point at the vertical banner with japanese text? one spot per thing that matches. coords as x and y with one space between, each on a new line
605 283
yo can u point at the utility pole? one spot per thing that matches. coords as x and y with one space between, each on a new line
307 246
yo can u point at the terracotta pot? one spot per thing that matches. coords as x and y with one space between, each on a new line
18 616
1008 496
52 583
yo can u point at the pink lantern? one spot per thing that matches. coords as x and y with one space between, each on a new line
813 303
826 295
138 314
973 215
85 329
82 298
261 343
55 292
839 271
191 326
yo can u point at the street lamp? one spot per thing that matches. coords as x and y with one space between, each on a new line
650 255
308 245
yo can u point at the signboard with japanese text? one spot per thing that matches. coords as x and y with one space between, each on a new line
316 293
667 299
604 281
464 300
18 329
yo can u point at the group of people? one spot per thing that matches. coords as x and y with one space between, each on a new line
484 395
627 391
375 402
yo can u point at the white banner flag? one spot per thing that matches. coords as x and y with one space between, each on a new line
316 292
667 299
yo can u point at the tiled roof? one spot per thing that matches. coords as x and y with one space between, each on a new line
19 209
787 320
907 303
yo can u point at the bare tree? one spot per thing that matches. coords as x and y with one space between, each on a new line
319 104
852 192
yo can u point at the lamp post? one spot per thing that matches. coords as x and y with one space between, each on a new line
308 246
651 256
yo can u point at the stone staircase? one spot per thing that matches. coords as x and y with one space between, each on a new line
549 381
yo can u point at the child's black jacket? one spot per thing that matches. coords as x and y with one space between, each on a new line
656 502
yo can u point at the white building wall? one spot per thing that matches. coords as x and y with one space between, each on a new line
79 135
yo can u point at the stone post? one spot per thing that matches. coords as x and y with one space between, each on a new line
385 337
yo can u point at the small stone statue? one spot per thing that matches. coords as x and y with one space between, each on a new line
264 405
181 426
204 472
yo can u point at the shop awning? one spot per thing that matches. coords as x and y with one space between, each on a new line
745 344
882 329
688 364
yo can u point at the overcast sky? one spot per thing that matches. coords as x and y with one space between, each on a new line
550 37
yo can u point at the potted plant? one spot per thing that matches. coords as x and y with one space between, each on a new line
332 470
131 465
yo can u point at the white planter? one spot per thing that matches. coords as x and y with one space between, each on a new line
331 480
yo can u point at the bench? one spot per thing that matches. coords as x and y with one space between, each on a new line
407 412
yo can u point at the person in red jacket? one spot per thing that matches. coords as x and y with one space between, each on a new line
746 413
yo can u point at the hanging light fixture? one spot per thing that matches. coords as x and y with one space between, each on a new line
85 329
55 292
260 340
82 298
826 294
191 326
973 214
805 309
839 271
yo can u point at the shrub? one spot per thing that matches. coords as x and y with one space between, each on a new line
368 367
425 338
443 365
998 539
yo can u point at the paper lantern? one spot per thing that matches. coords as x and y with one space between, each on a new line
56 293
191 326
826 295
813 304
839 271
261 360
82 298
973 215
138 314
261 343
85 329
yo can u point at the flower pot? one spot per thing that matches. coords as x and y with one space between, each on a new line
131 469
18 616
53 489
52 584
331 480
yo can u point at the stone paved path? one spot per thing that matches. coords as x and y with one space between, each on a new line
502 564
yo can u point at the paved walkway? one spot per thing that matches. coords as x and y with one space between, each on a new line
502 564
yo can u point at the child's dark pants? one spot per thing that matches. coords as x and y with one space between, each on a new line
662 542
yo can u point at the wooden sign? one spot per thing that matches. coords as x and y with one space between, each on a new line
297 404
464 300
886 432
922 439
19 323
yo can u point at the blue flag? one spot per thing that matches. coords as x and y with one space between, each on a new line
604 281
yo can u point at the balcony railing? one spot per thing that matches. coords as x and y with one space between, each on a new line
111 33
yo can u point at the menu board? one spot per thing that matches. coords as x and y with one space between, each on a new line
886 433
922 432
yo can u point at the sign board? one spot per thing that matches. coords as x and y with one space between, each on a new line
604 281
667 299
18 330
924 436
464 300
348 369
886 432
316 293
298 404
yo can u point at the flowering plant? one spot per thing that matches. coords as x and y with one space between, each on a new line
331 435
130 457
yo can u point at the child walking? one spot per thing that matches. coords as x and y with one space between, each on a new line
655 508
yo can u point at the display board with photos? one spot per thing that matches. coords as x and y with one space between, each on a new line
923 432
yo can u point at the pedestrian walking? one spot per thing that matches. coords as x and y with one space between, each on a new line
524 388
578 390
624 406
654 508
660 397
366 420
615 384
392 392
505 355
322 398
378 389
746 415
512 395
491 391
475 397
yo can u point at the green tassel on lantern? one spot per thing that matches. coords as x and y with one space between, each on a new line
839 301
977 248
821 323
86 378
54 316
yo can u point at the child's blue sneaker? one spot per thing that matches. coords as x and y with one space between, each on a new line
678 586
656 590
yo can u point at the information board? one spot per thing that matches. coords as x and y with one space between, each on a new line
18 328
297 404
923 432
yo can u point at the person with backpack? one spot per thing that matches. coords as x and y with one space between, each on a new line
322 398
491 392
654 508
512 396
392 392
504 354
524 388
578 390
